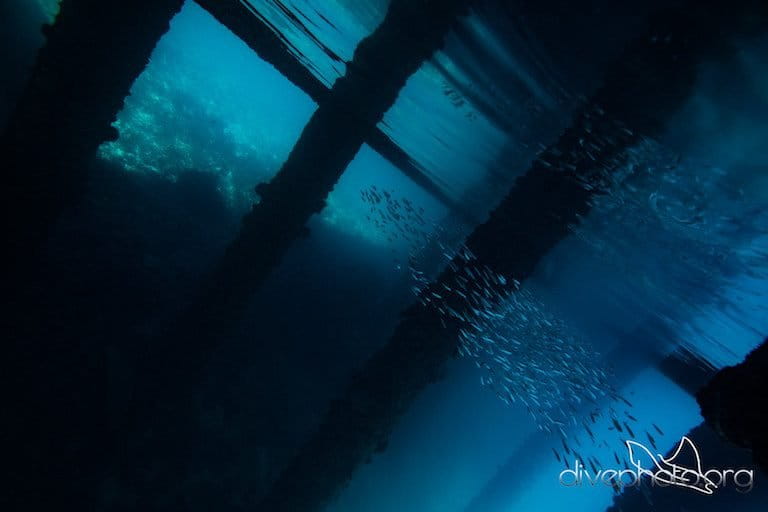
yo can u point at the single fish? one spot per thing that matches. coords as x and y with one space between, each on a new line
589 431
565 447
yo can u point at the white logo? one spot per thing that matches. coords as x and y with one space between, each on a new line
664 472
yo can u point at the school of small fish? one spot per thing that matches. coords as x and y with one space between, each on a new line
396 218
528 356
659 205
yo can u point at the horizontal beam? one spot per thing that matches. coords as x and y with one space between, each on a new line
244 24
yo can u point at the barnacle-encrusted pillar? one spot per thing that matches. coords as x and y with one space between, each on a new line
93 53
649 82
238 18
735 404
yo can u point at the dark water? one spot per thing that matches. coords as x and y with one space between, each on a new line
672 257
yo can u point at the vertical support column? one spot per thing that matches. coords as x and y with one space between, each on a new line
410 33
345 118
238 18
93 54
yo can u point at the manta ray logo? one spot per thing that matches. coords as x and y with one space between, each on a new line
669 472
662 472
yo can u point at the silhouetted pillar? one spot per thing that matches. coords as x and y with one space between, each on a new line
94 52
649 82
92 55
347 116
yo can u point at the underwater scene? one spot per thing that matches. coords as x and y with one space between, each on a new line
385 255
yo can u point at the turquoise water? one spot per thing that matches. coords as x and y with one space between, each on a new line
207 102
673 256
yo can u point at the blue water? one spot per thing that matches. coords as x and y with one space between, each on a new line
674 267
460 449
675 258
207 102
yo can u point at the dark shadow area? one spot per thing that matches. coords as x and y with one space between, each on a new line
21 34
